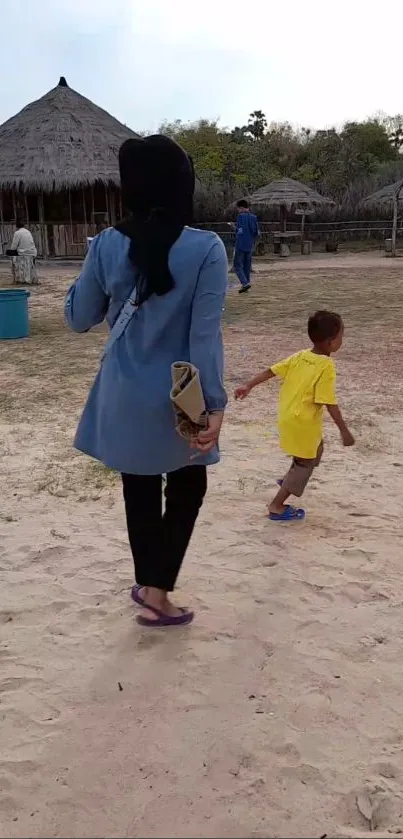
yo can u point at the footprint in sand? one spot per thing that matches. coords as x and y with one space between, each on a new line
356 592
309 628
9 806
47 554
313 707
29 700
7 616
289 751
16 682
386 770
269 651
147 641
357 556
320 591
82 584
5 654
18 768
91 612
305 773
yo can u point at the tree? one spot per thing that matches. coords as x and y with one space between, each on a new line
257 125
344 164
394 128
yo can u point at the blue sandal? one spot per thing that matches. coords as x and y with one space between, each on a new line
289 514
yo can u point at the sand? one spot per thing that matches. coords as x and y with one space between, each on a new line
283 701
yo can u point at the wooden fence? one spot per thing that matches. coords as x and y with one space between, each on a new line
69 241
343 231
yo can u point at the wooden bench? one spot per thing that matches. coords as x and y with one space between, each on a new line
281 241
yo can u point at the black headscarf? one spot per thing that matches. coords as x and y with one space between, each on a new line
157 181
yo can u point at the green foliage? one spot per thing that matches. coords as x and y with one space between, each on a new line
340 163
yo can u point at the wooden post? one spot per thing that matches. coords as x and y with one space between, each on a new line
1 221
85 216
70 216
283 218
69 237
42 226
92 205
395 215
112 207
14 205
107 205
394 225
302 231
26 207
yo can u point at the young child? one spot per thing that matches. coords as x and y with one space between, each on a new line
308 386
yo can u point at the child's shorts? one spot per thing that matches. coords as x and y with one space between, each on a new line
300 473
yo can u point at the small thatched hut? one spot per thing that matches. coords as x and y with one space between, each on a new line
391 195
288 195
59 169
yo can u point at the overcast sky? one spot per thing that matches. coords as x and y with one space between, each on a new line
309 62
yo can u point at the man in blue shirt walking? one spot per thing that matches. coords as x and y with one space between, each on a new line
247 231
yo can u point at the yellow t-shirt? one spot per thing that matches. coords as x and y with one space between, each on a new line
308 384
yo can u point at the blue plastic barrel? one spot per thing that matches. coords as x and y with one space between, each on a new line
14 319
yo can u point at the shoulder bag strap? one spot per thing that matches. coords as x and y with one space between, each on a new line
123 319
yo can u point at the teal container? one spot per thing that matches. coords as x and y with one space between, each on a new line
14 319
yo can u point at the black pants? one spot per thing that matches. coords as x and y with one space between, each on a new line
159 540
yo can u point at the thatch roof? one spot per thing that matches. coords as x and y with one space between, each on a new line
385 195
61 140
287 193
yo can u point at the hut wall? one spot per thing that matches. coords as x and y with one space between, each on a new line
61 230
38 231
6 235
70 240
53 240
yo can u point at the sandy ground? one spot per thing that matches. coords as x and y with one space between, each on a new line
283 701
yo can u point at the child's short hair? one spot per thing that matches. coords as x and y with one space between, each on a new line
324 326
242 203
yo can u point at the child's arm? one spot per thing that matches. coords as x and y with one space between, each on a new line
337 417
244 390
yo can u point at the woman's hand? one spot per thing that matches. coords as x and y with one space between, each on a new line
208 439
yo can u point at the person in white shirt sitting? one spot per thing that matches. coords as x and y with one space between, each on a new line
23 253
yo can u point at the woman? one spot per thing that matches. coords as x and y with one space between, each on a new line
176 277
23 252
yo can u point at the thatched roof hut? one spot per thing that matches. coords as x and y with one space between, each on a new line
391 195
287 193
59 169
386 195
60 141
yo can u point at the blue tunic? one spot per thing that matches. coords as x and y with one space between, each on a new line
247 230
128 421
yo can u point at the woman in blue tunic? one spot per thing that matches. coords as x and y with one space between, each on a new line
176 276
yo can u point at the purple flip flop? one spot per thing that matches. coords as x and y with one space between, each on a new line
166 620
135 595
162 619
